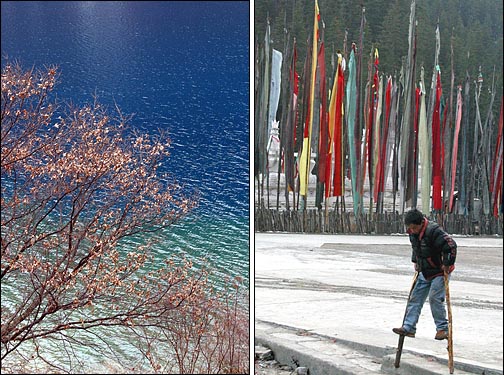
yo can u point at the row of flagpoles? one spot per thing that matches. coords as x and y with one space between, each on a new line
374 137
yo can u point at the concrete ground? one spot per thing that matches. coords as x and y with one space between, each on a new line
329 302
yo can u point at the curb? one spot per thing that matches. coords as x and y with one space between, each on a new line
324 355
295 355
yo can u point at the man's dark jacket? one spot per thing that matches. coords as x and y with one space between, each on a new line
432 248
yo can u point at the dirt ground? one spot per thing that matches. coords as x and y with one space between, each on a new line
271 367
265 363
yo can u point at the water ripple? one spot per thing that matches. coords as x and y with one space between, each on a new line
187 75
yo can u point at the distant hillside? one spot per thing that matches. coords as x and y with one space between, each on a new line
476 28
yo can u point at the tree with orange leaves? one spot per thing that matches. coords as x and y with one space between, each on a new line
76 190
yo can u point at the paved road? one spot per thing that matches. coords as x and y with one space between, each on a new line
355 288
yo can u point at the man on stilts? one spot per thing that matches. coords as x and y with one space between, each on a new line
434 253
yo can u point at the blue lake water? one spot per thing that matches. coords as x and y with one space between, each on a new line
180 66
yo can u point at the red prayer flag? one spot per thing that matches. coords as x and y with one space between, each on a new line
436 149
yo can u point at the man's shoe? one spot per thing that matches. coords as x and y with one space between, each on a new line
441 335
403 332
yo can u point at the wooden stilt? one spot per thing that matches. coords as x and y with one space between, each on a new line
450 325
401 337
